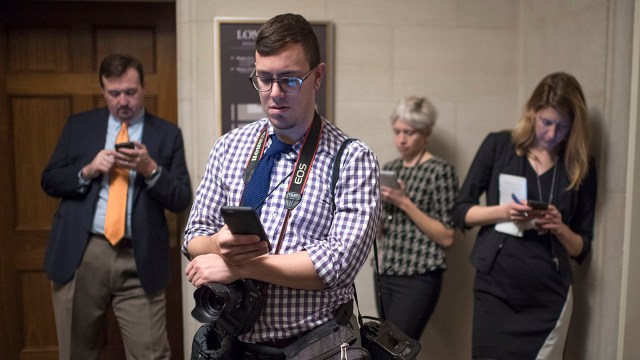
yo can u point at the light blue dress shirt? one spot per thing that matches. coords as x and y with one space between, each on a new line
135 134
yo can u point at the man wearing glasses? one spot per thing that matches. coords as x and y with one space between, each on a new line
318 241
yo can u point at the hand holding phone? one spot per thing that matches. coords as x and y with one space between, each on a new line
534 204
244 220
125 145
537 205
388 178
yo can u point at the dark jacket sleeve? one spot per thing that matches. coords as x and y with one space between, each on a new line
583 219
173 187
477 180
496 155
60 176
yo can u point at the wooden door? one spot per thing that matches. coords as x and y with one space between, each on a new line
49 57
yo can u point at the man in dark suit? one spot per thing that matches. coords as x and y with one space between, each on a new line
102 254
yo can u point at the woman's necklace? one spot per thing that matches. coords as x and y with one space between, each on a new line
553 183
417 161
555 260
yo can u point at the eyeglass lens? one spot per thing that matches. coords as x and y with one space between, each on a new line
287 84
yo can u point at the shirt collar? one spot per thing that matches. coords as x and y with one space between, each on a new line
136 120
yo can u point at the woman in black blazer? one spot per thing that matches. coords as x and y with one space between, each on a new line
522 289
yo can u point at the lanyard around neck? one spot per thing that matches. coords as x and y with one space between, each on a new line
303 164
301 169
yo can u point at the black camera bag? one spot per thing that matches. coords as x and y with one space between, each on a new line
385 341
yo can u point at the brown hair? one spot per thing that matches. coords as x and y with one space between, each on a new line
116 65
285 29
561 92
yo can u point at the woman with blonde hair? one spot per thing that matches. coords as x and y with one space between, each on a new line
522 289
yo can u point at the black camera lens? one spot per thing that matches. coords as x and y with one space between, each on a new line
214 300
233 308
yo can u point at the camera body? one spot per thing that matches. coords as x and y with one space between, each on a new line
234 307
385 341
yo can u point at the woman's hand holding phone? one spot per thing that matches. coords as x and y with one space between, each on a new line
533 209
388 178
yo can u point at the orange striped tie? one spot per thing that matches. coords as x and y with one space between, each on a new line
117 202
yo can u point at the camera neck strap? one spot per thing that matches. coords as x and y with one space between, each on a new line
378 289
300 173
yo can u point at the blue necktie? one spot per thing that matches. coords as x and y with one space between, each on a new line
257 189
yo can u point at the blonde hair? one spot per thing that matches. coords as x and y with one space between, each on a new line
561 92
419 112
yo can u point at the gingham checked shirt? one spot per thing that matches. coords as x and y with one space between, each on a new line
337 242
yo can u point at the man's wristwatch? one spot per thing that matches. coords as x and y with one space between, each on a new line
154 173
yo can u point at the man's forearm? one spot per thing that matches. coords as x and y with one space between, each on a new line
293 270
201 245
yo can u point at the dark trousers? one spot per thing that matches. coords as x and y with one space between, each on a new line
409 301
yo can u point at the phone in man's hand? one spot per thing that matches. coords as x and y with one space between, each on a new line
125 145
244 220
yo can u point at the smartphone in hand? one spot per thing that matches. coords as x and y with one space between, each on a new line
244 220
534 204
388 178
537 205
125 145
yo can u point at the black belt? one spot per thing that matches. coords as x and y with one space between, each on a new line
280 343
259 351
123 243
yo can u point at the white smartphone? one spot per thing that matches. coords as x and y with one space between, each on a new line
388 178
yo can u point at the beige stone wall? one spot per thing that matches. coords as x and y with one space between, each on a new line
592 40
478 60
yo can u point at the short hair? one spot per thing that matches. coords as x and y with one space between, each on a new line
419 112
116 65
563 93
285 29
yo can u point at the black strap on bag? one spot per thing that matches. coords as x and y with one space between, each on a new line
379 336
335 174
